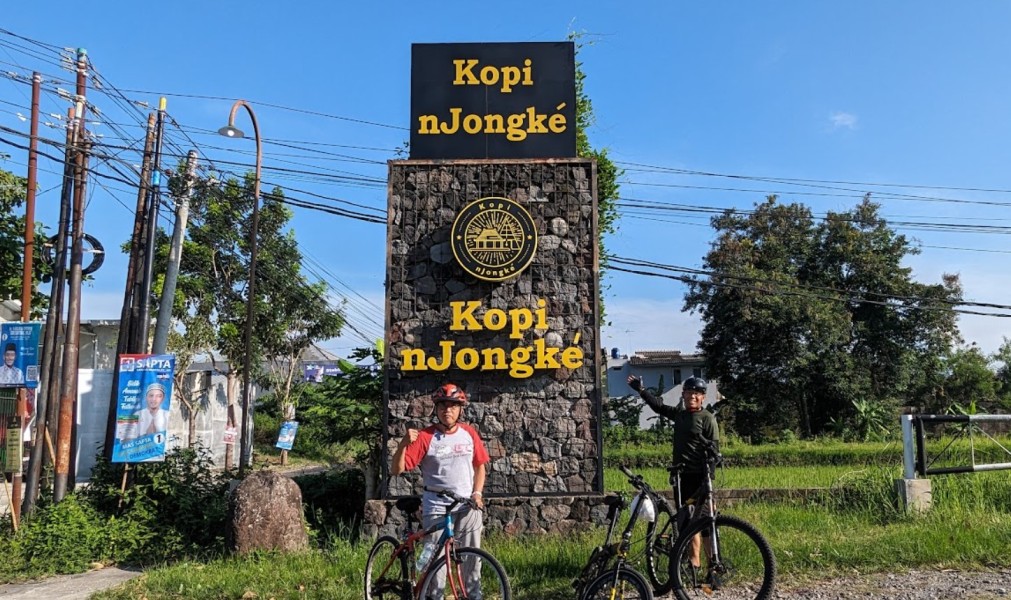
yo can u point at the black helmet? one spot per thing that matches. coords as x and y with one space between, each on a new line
695 384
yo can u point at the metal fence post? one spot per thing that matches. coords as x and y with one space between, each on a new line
908 459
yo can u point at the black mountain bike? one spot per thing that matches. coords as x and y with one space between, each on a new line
733 559
608 574
661 532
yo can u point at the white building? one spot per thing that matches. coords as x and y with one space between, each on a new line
672 365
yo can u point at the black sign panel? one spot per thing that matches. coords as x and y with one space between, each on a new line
493 100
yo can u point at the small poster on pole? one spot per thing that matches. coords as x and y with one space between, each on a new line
286 437
230 435
142 410
20 344
13 455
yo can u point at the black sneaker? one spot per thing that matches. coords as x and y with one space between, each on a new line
712 580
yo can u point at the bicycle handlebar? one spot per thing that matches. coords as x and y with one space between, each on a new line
636 480
456 498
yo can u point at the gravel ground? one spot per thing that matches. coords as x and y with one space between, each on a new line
913 585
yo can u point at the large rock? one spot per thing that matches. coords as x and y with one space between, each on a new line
266 514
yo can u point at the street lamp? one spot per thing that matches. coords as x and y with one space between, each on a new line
246 452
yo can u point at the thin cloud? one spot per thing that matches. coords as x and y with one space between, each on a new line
843 120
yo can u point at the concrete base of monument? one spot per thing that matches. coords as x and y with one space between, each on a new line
557 514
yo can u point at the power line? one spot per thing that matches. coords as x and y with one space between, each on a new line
841 295
272 105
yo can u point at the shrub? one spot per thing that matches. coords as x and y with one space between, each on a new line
170 509
333 503
62 538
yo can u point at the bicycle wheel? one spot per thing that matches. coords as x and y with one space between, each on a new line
660 537
623 583
746 565
386 575
473 574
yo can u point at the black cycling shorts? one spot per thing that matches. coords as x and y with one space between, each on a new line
690 485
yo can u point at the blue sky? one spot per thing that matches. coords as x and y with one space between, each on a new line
907 100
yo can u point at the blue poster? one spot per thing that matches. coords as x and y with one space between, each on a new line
286 437
316 372
144 393
20 344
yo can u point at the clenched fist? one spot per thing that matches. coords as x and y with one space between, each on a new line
409 437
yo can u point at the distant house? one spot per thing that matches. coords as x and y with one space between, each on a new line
673 365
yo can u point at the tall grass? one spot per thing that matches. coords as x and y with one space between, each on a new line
857 528
947 449
775 477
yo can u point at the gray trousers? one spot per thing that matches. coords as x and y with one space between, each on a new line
467 528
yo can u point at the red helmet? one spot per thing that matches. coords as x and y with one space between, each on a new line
448 392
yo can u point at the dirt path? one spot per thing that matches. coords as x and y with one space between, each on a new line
912 585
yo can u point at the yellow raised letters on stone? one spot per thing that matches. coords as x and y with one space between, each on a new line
520 361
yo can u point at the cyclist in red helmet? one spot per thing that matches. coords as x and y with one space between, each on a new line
451 456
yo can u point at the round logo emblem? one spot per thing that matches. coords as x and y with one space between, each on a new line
494 238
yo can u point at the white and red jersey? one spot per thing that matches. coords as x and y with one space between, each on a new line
447 462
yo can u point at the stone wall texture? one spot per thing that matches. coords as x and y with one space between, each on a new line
564 514
542 432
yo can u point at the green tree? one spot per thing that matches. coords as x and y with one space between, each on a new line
970 386
805 322
1002 359
350 408
13 190
624 411
291 313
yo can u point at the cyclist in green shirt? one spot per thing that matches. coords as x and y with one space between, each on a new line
692 425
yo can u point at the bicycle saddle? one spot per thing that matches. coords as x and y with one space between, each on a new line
614 500
409 505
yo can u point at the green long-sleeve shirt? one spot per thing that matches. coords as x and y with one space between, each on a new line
688 426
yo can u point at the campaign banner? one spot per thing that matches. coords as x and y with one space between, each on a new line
20 344
316 372
144 397
286 437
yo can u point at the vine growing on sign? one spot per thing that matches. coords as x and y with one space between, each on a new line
607 172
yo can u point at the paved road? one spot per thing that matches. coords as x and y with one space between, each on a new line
67 587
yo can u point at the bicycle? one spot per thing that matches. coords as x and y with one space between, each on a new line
607 574
661 532
391 573
738 557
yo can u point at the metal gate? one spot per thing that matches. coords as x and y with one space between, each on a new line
915 449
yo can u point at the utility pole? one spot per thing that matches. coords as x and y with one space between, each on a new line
152 230
71 343
68 388
51 367
128 316
27 279
175 256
